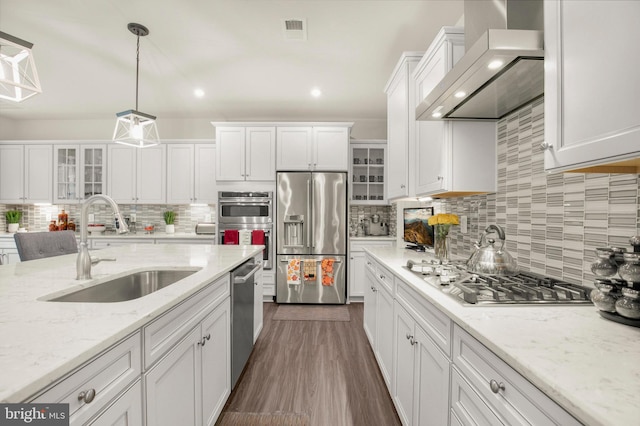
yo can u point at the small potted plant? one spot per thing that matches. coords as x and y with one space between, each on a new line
13 220
169 218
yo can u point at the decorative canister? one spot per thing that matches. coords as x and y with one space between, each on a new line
605 265
604 297
630 269
629 305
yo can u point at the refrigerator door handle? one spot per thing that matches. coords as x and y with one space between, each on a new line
309 213
293 257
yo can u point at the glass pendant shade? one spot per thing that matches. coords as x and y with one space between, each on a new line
18 74
135 128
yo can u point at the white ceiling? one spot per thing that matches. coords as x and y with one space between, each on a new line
234 50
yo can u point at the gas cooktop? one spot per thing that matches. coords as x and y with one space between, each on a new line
524 288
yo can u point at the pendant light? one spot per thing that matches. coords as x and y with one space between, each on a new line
135 128
18 74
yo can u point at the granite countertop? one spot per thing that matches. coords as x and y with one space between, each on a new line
587 364
42 341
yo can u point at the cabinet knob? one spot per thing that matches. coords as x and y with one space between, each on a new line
87 396
408 336
413 341
546 146
496 387
440 178
403 186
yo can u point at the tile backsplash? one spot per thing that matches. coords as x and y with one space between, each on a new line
553 222
359 212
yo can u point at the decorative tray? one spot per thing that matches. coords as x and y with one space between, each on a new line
620 319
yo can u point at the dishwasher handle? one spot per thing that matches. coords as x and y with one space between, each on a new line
244 279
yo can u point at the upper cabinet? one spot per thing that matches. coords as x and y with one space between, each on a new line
592 86
26 173
137 176
401 128
245 153
79 172
368 160
191 173
452 158
313 148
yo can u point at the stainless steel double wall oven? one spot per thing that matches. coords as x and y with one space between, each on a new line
247 211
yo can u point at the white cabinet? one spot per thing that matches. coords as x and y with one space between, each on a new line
421 372
368 172
357 262
401 127
258 287
8 251
488 385
137 176
245 153
191 173
315 148
190 375
79 172
125 411
591 108
452 158
26 173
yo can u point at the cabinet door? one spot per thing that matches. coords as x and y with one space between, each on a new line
587 123
216 362
260 161
405 350
173 385
431 406
370 300
12 174
357 278
398 138
125 411
258 290
230 161
384 333
468 407
66 174
121 176
38 169
151 175
430 156
330 148
205 190
92 170
293 148
180 174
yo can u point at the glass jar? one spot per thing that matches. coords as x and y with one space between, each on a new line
605 265
604 297
618 255
629 304
630 270
53 226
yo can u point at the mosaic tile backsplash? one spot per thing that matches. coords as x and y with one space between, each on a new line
553 222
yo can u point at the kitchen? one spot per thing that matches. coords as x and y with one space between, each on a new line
552 221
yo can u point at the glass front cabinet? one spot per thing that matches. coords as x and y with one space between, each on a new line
368 177
79 172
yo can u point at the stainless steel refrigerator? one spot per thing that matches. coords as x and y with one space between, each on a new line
311 234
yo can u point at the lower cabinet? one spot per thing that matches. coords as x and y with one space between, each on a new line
8 251
258 287
370 303
357 278
125 411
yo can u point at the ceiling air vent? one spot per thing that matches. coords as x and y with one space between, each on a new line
295 29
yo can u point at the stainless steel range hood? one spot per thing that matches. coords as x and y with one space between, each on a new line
502 69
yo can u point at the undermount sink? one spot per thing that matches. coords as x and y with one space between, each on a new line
127 287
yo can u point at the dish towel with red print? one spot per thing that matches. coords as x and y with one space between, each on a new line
293 272
326 266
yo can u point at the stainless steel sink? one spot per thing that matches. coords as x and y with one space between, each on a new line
127 287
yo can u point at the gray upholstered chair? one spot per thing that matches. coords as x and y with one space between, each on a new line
38 245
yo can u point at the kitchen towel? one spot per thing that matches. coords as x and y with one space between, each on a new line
310 270
231 236
293 272
327 272
244 237
257 237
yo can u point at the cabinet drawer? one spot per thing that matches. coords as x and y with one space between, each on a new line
437 325
107 375
370 265
125 411
467 407
361 245
385 277
166 331
517 402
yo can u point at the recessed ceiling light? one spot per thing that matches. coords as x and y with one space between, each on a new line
316 93
460 94
436 115
199 93
495 64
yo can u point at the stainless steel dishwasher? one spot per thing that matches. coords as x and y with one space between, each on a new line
242 280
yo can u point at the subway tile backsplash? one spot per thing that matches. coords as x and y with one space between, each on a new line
553 222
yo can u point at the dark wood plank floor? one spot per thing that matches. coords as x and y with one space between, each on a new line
325 369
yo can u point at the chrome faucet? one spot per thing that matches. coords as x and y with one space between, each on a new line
84 262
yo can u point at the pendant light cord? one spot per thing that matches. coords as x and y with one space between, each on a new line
137 67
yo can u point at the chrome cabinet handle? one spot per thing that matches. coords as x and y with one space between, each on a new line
403 186
413 341
546 146
204 340
408 336
495 386
87 396
440 178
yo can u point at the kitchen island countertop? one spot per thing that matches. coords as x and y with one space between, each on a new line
42 341
587 364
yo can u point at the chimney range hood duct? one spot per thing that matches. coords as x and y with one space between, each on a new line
503 66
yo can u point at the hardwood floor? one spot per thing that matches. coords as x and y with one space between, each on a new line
324 369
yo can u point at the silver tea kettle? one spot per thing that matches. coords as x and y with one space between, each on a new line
490 260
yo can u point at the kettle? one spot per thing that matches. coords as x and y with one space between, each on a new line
489 260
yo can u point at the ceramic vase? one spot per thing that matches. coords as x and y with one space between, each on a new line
441 243
13 227
170 229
